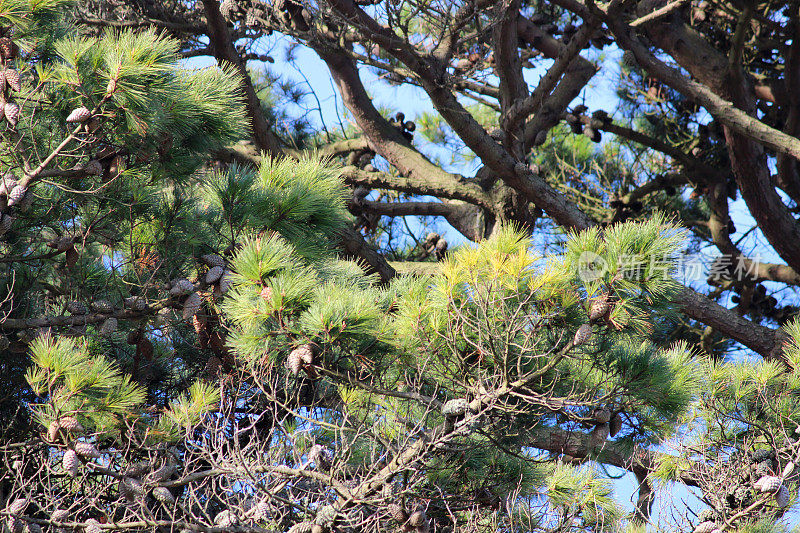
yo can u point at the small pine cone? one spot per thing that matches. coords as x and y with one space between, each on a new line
16 195
302 527
397 513
86 450
456 407
599 307
705 527
226 518
261 511
134 336
212 366
163 473
102 306
8 48
70 424
92 526
306 353
12 78
163 495
615 425
30 527
599 434
601 415
7 183
77 308
583 335
293 362
135 303
71 462
213 260
109 326
15 525
132 486
266 293
79 114
11 111
59 515
592 134
181 287
5 223
782 497
18 506
227 9
52 430
788 470
213 274
418 518
326 516
192 305
251 21
226 281
769 484
93 168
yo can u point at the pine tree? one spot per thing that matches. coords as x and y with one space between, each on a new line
185 345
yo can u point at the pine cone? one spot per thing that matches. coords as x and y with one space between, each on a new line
86 450
192 305
456 407
18 506
226 281
16 195
214 274
615 425
7 183
79 114
15 525
251 21
266 293
131 486
8 48
261 511
135 303
6 221
397 513
599 434
70 424
109 326
93 168
181 287
302 527
59 515
418 518
12 78
11 111
71 462
583 335
599 307
788 470
705 527
163 473
213 260
30 527
92 526
163 495
226 518
102 306
227 9
601 415
77 308
782 497
769 484
52 430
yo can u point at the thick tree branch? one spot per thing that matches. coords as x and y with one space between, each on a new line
225 52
